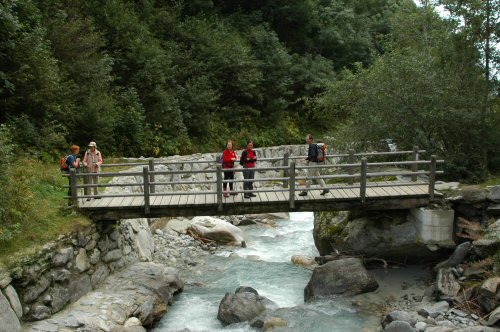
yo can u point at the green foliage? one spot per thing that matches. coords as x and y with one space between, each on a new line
414 94
155 78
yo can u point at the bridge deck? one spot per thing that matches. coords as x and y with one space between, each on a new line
383 196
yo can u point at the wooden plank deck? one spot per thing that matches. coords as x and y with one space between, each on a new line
381 196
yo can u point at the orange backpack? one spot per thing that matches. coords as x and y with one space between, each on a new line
62 162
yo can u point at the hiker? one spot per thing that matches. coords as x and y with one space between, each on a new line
248 160
228 159
92 162
312 159
72 162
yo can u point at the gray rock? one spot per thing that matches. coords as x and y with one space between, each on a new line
47 299
489 287
95 256
389 235
33 292
446 284
112 245
130 329
218 230
494 316
101 273
144 311
91 245
82 240
82 262
8 318
103 244
79 287
439 329
458 256
477 329
345 276
485 247
5 279
420 326
434 310
494 194
270 323
399 315
458 312
112 256
63 256
39 312
240 307
132 321
474 195
60 297
60 275
11 295
117 314
399 326
145 245
114 235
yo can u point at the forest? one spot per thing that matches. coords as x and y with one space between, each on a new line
154 78
162 77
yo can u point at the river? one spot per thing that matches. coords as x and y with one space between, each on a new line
265 265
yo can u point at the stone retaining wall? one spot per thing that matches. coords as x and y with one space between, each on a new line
65 270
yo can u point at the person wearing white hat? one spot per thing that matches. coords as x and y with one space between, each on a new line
92 162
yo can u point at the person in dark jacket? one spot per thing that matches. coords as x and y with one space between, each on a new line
73 162
248 160
312 154
228 159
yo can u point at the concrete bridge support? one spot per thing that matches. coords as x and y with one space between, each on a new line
434 226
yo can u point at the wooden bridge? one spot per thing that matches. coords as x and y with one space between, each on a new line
353 182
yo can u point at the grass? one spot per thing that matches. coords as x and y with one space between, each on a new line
35 199
494 180
35 195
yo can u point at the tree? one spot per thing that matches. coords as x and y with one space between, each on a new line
479 21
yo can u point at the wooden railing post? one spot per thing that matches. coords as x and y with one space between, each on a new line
285 172
74 190
351 161
145 175
432 177
292 185
362 184
414 167
219 187
152 176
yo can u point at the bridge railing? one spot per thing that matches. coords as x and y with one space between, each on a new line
291 169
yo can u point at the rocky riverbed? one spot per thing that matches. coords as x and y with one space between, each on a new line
140 294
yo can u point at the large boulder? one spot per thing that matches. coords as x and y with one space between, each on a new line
244 305
218 230
390 235
142 290
344 276
494 194
399 326
458 256
446 284
8 319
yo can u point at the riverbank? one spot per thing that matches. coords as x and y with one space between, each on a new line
198 267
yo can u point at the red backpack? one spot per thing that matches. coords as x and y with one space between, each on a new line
62 162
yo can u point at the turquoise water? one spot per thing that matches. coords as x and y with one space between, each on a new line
264 265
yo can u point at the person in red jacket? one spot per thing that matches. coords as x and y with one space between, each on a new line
228 159
248 161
